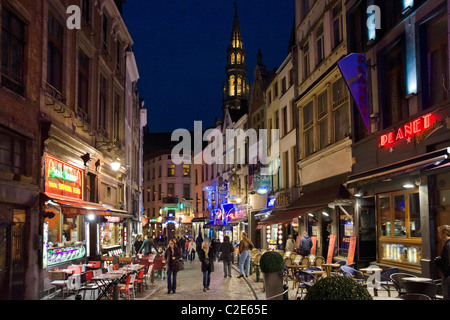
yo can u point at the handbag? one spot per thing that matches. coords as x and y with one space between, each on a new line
178 265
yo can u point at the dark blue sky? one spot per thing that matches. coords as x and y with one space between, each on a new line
180 48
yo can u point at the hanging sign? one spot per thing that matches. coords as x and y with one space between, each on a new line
331 248
351 250
63 179
354 70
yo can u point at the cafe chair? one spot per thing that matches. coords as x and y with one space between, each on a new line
76 269
159 266
89 285
314 268
256 266
385 281
414 296
427 288
148 276
305 261
95 264
337 271
319 261
58 280
128 287
305 280
140 280
312 259
353 273
116 267
396 279
286 275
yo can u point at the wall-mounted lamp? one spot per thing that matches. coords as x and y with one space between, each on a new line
91 217
86 158
115 165
97 165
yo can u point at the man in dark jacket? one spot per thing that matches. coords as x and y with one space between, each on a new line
444 265
227 250
147 246
305 244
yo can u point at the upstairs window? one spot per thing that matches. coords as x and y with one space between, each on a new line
13 58
54 53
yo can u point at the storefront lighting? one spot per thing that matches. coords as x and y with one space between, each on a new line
238 200
325 214
408 185
115 165
358 194
91 217
310 214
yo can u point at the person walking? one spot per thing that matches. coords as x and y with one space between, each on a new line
198 242
444 261
181 242
147 246
138 243
244 254
171 255
290 244
192 249
207 259
186 248
226 249
305 245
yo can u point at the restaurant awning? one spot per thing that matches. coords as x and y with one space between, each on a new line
200 219
237 220
426 161
315 197
213 226
72 207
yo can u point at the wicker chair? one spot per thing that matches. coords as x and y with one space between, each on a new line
396 279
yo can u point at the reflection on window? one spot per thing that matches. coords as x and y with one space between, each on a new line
385 216
399 216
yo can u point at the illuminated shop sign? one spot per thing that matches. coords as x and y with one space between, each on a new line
63 179
413 129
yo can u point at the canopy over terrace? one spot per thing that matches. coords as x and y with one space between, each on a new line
311 200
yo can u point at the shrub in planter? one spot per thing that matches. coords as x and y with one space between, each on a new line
337 288
271 261
272 266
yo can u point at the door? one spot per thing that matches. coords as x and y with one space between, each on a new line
5 259
367 244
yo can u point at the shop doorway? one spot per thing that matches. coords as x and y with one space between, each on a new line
443 217
367 245
325 234
5 245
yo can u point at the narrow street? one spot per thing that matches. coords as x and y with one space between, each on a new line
190 285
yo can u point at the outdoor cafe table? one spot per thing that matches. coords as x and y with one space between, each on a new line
317 273
107 281
417 279
328 266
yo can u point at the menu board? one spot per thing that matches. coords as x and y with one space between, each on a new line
331 248
63 179
314 247
351 250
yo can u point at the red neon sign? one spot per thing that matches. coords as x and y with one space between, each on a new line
409 130
63 180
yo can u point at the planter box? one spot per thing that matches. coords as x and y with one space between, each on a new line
273 283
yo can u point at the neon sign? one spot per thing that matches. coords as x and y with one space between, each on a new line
63 179
409 130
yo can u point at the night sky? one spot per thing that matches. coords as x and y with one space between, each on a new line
180 48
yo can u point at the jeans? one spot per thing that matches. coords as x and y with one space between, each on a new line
227 268
171 280
206 278
192 255
244 259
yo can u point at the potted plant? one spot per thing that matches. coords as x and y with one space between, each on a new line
337 288
272 266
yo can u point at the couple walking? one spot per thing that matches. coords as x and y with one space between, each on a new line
206 256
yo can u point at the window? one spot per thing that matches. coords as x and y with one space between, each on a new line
154 193
436 78
186 191
116 117
196 177
86 10
341 110
232 86
239 86
338 33
159 191
320 44
399 227
275 90
308 129
322 115
102 106
13 42
394 104
171 170
159 172
286 169
12 152
83 86
170 189
306 65
283 86
285 121
54 53
186 170
105 33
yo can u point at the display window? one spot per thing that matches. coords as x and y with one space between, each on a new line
110 234
399 228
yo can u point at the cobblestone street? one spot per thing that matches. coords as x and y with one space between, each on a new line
190 286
